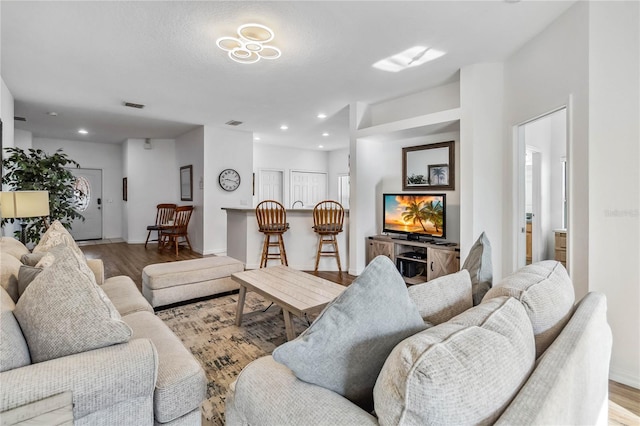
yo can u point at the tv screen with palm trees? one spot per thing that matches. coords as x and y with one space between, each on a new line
415 214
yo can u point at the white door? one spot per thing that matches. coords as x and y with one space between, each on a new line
271 185
343 190
308 187
88 189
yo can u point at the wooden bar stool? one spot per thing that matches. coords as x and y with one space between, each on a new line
272 221
328 219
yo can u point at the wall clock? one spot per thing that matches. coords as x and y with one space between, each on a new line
229 180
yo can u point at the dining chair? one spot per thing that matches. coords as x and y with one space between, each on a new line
328 220
170 235
164 214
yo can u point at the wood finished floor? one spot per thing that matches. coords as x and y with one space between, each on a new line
129 259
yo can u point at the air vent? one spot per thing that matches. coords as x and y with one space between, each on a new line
132 105
233 123
19 119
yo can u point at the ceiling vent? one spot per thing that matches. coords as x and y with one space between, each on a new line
19 118
233 123
132 105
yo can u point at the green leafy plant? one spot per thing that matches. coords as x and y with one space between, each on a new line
35 170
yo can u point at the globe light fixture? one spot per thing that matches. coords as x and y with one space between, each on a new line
249 47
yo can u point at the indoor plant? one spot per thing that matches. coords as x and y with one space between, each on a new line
35 170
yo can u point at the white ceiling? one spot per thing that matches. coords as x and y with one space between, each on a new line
84 59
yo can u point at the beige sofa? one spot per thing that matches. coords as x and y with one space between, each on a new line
149 379
453 372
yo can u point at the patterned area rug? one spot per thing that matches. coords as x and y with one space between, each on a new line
208 330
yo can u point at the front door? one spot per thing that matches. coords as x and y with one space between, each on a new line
88 191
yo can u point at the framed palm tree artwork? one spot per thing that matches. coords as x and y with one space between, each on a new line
438 174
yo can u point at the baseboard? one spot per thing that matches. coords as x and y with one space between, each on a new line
624 377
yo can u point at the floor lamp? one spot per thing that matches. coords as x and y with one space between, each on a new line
23 205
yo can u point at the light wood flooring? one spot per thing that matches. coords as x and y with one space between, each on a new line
129 259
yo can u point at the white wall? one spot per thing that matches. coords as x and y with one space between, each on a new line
6 113
548 72
23 139
153 178
338 165
106 157
189 151
481 180
287 159
614 176
224 149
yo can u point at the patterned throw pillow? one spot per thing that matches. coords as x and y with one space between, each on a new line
63 311
346 346
56 235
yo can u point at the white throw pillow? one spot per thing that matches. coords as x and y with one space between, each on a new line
63 311
56 235
345 347
478 263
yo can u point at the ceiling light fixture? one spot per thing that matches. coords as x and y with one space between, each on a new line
250 46
83 132
284 127
320 146
257 138
322 115
412 57
52 114
325 134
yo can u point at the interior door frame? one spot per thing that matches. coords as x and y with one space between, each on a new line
282 188
319 172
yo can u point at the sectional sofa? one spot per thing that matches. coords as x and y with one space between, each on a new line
69 332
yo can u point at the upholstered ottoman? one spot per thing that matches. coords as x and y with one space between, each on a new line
172 282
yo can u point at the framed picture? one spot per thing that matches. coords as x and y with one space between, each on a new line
186 183
438 174
124 189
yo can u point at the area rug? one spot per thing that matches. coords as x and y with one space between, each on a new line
208 330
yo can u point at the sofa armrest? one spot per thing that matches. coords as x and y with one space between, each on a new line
97 267
98 379
268 393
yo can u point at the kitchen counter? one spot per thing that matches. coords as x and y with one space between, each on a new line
244 241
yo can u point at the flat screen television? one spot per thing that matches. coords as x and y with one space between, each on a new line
416 215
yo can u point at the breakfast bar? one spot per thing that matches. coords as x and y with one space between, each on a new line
244 241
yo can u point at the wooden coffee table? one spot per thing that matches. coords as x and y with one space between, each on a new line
296 292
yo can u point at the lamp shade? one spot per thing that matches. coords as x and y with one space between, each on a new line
21 204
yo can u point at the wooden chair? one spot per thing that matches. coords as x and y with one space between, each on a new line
172 234
272 221
164 214
328 219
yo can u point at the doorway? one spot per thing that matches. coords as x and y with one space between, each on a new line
271 185
88 196
542 147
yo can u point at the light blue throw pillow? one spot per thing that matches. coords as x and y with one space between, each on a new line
347 345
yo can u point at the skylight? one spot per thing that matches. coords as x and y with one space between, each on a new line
411 57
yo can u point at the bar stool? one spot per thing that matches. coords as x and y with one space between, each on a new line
272 221
328 218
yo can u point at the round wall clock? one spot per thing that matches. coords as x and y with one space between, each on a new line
229 180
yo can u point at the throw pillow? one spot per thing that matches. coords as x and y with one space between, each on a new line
57 235
13 348
464 371
546 292
32 259
443 298
345 347
63 311
25 276
478 263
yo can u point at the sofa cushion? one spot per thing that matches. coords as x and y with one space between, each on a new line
55 235
345 347
63 311
182 385
26 275
125 296
547 294
443 298
32 259
9 270
13 247
478 263
13 348
464 371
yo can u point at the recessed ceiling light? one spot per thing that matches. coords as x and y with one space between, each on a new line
322 115
83 132
412 57
257 138
52 114
325 134
320 146
284 127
